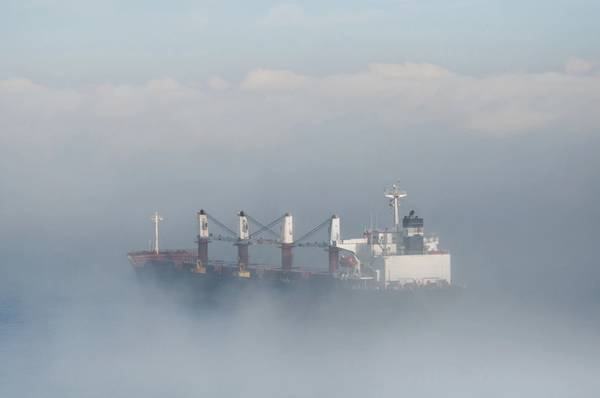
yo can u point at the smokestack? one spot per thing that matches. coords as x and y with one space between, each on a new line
287 242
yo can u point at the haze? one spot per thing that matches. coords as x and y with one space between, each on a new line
485 111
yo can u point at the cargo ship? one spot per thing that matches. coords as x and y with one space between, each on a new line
383 261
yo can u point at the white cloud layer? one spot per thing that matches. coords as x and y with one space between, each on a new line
273 80
576 65
268 107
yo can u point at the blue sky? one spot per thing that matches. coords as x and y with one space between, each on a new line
72 42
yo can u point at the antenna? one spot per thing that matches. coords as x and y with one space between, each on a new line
395 194
156 218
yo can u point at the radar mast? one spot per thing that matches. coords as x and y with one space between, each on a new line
394 194
156 218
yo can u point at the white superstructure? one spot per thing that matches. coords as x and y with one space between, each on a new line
402 255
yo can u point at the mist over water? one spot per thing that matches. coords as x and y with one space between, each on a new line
99 333
75 322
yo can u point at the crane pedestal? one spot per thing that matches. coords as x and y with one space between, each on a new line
202 260
243 259
334 259
286 257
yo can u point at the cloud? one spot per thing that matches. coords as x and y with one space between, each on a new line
268 79
409 70
576 66
268 108
218 83
24 95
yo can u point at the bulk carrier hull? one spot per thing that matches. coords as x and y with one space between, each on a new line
307 291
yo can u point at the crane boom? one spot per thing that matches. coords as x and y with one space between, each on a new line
267 227
312 231
220 224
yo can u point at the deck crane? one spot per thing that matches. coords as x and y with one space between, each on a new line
310 233
202 240
333 223
242 244
242 239
285 239
265 228
233 236
204 237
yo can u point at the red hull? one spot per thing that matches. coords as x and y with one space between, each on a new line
177 257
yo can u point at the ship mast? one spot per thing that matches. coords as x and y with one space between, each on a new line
395 194
156 218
